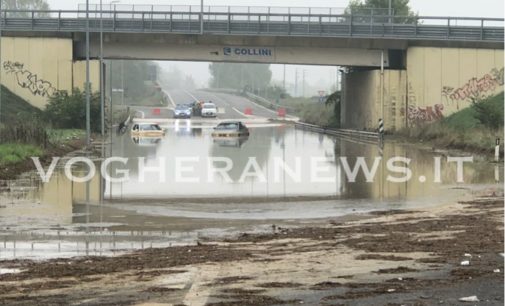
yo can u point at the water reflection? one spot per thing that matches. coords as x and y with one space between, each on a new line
64 218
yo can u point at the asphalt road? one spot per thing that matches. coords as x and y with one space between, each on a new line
229 106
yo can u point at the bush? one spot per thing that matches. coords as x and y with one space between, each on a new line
473 128
66 111
489 112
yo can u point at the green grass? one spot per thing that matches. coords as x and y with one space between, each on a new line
59 136
11 153
312 112
15 108
472 117
474 128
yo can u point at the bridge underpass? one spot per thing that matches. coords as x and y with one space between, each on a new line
388 58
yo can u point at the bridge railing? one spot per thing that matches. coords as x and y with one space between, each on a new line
258 23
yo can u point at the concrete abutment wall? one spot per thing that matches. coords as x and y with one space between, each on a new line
436 83
34 68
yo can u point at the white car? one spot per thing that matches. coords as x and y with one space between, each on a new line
209 109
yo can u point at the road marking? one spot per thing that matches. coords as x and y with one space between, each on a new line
227 103
169 97
247 116
194 98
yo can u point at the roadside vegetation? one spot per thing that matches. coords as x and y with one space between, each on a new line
26 131
474 128
311 111
68 111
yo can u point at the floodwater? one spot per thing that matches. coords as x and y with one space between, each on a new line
61 218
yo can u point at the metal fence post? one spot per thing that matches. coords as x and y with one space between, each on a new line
371 22
310 11
114 20
171 21
289 22
320 25
482 29
143 17
448 27
350 24
416 21
229 20
268 20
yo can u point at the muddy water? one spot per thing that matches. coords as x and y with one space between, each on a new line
63 218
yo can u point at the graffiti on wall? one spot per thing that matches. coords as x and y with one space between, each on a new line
29 80
476 88
418 115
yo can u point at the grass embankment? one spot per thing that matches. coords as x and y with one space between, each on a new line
15 109
12 153
472 129
312 112
23 135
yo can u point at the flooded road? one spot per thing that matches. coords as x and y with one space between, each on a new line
55 219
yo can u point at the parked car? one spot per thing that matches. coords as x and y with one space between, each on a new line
182 111
147 130
209 109
230 129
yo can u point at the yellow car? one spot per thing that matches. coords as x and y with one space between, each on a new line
147 130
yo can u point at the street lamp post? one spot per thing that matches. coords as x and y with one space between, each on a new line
88 96
201 17
102 81
1 13
389 10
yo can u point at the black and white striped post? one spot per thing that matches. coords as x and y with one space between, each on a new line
381 131
497 150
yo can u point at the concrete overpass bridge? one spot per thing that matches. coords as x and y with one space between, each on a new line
421 54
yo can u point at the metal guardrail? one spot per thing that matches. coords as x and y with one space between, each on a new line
365 136
259 23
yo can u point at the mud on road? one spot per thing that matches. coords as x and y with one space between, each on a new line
387 258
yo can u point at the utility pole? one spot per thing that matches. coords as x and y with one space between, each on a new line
284 79
102 79
88 96
201 17
389 10
296 82
303 82
1 20
122 83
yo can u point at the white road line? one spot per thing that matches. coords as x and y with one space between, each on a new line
227 103
193 97
170 98
247 116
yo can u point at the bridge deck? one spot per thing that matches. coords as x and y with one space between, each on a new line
269 24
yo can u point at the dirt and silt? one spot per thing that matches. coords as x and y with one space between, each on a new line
383 258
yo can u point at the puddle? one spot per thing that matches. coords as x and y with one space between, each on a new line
64 219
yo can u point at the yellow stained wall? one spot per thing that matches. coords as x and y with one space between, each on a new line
442 81
79 73
364 105
35 68
437 83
